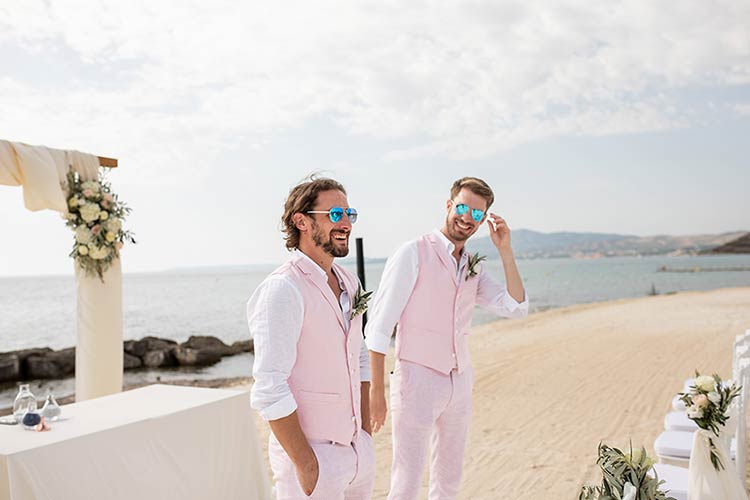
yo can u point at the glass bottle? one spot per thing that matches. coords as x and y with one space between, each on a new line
51 410
24 402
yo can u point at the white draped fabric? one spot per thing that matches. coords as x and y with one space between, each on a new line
704 481
157 442
41 171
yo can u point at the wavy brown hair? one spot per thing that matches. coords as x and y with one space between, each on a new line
476 186
302 198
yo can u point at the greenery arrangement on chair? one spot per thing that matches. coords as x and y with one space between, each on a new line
708 401
625 476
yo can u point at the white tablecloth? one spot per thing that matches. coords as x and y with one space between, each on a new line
157 442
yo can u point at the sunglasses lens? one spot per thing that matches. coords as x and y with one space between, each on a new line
476 214
352 214
336 214
462 209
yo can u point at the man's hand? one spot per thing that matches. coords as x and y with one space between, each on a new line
499 231
378 408
308 475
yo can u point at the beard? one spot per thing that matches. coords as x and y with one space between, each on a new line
329 245
455 233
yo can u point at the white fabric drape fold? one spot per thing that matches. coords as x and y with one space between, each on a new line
704 481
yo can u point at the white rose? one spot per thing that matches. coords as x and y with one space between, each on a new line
714 397
83 235
629 491
114 224
705 383
92 185
110 236
103 215
694 412
83 250
89 212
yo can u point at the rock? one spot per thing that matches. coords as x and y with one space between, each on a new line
50 364
25 353
159 359
10 367
186 356
130 361
205 343
139 348
242 346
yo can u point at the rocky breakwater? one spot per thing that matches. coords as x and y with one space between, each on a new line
149 352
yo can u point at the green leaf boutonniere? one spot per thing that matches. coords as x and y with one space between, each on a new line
474 260
360 302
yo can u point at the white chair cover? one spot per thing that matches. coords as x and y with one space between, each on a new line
704 481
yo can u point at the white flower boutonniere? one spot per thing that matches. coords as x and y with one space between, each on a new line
360 302
474 260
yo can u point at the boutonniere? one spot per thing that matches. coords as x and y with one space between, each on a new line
360 302
474 260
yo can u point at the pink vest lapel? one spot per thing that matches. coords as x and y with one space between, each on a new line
445 258
313 274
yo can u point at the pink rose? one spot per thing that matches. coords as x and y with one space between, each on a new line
105 204
96 229
88 193
118 245
701 401
108 197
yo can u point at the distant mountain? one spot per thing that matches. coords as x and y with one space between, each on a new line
740 245
533 244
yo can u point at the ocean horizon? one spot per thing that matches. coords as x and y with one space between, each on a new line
39 311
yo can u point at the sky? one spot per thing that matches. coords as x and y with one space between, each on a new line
623 117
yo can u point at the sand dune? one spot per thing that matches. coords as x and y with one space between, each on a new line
550 387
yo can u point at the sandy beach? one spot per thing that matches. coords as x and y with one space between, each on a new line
550 387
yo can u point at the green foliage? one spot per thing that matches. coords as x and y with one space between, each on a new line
619 469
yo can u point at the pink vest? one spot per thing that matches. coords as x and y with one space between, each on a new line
433 329
325 378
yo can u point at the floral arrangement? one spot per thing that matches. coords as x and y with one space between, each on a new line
360 302
474 260
625 476
95 215
707 403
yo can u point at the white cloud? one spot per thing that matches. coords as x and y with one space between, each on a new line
457 79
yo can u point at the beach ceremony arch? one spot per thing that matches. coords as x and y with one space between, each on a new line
44 174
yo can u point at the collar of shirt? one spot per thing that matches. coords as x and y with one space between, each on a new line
344 301
449 247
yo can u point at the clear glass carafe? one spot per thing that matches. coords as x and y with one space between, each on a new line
24 402
51 410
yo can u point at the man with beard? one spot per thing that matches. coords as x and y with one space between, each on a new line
429 287
311 365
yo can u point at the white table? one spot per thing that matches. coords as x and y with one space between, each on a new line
157 442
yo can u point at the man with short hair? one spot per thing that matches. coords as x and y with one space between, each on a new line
311 364
429 287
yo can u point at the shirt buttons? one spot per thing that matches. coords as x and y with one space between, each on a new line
454 355
354 418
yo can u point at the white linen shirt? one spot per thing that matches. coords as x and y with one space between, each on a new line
274 317
397 283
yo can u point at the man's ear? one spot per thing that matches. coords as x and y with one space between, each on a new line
300 221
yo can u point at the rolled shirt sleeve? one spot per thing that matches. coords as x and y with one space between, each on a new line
274 317
396 286
493 296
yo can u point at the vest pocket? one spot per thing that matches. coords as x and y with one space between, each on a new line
323 397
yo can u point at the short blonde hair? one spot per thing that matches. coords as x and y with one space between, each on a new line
476 186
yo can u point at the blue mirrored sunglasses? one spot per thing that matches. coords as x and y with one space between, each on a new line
336 213
476 214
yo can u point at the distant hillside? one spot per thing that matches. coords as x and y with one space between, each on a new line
533 244
740 245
